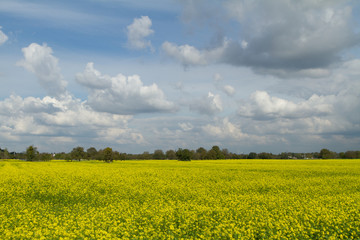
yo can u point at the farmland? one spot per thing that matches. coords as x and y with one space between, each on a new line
224 199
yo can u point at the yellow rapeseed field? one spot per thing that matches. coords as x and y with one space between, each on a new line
227 199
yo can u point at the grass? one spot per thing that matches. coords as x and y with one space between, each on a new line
225 199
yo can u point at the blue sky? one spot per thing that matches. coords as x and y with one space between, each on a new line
138 76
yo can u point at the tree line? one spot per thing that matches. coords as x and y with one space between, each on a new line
109 155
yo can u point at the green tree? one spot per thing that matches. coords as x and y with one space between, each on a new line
4 154
45 157
108 155
91 153
183 154
284 155
68 157
265 155
31 153
159 154
61 155
123 156
226 154
211 154
215 153
252 155
170 154
350 155
327 154
78 153
201 152
145 156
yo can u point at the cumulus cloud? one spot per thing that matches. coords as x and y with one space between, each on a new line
334 114
3 37
122 94
297 74
311 36
186 126
92 78
62 112
189 55
64 120
209 104
40 61
227 89
282 38
138 31
327 117
121 136
263 106
224 129
16 104
231 134
352 67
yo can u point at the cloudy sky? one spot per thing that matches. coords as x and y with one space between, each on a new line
137 76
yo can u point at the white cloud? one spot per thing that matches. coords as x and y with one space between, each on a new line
244 44
185 54
72 112
3 37
312 36
224 129
227 89
120 136
138 31
329 116
40 61
122 94
281 37
209 104
263 106
65 120
352 67
232 134
16 104
60 112
319 116
92 78
186 126
218 78
294 73
188 55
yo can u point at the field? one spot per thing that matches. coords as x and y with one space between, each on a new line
227 199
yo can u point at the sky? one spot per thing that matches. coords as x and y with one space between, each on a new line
250 76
